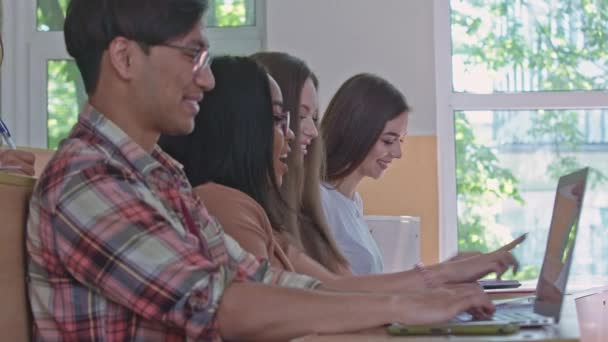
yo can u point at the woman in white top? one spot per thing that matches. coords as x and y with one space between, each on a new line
363 129
345 217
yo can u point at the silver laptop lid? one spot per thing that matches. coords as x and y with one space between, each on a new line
551 286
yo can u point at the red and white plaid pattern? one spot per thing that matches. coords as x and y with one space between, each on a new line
110 257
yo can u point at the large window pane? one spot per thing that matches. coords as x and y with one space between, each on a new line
66 95
531 45
508 164
50 14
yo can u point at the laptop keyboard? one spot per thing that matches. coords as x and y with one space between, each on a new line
522 314
511 314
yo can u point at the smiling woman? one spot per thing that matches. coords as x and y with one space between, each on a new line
234 159
363 128
301 184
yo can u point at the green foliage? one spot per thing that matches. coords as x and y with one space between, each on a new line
558 42
230 13
555 46
50 14
559 129
64 99
481 183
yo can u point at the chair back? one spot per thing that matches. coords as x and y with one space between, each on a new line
15 193
42 157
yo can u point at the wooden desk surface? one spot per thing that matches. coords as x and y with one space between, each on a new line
566 330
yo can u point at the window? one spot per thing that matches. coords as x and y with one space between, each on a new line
50 14
43 91
522 100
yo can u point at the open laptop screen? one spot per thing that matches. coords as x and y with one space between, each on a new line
560 243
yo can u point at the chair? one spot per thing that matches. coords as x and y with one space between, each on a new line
42 157
15 192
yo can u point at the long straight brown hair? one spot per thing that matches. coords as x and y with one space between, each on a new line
355 119
301 185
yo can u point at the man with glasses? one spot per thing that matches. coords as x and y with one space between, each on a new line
119 248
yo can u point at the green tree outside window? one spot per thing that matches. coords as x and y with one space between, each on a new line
530 46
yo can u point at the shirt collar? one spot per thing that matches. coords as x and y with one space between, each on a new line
120 144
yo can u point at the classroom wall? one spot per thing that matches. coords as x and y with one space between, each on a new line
410 187
394 39
339 38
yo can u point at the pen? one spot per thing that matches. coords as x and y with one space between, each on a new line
6 134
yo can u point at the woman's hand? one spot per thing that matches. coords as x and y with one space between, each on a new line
442 304
17 161
475 267
464 255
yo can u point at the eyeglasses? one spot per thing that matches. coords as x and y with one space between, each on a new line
201 57
282 121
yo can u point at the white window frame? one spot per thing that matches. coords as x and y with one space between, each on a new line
449 102
24 70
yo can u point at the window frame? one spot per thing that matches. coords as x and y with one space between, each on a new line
24 76
449 102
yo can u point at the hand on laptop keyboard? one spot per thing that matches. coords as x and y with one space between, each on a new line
442 304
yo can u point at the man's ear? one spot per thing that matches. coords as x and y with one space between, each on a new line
121 54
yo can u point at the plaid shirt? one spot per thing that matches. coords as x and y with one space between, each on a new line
111 257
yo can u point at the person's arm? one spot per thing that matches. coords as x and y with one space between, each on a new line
264 313
247 223
478 266
128 250
463 270
249 226
17 161
396 283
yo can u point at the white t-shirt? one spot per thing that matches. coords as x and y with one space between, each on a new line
349 229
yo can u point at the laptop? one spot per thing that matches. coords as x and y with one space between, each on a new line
545 307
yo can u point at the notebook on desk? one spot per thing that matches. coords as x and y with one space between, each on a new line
545 307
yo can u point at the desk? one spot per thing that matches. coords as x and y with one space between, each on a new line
566 330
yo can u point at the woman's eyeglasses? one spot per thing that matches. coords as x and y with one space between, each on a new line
281 117
282 121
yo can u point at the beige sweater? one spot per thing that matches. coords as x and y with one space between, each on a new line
245 221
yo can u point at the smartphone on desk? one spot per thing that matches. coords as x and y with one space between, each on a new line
477 328
492 284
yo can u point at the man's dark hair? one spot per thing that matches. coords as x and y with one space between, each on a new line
90 26
233 136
